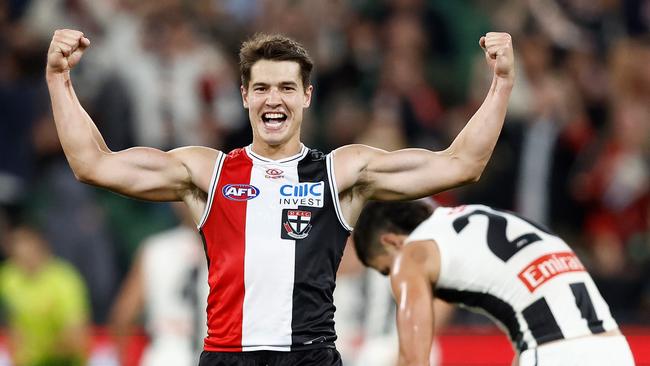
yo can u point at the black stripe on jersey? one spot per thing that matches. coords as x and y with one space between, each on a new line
497 308
583 302
541 322
205 247
317 258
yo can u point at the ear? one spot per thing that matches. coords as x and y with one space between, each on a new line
244 95
391 240
308 93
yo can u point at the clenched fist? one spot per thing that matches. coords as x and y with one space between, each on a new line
65 51
499 54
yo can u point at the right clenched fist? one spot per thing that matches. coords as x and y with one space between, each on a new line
65 51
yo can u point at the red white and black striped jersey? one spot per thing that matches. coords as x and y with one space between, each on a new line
521 275
274 236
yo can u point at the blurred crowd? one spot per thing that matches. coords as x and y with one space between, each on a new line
574 153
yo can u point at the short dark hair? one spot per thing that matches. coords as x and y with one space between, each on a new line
392 217
274 47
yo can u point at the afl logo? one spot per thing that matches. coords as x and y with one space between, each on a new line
240 192
274 173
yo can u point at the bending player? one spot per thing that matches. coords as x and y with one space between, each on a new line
523 276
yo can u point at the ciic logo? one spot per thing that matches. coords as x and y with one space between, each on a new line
240 192
302 194
274 173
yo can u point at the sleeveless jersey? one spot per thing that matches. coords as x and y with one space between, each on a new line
172 268
274 236
517 272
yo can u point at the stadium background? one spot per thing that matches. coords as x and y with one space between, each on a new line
574 153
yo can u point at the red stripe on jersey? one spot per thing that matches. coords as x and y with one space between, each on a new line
225 233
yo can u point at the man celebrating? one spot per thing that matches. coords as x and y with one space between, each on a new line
274 215
524 277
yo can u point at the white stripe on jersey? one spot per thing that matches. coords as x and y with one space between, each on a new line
335 192
268 259
213 181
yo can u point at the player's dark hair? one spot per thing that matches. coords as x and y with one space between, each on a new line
274 47
391 217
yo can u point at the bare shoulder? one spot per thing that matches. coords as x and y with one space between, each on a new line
195 153
355 152
422 256
350 162
417 251
199 161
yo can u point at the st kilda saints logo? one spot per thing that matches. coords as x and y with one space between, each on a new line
295 224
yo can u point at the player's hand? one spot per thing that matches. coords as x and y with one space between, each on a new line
65 51
499 54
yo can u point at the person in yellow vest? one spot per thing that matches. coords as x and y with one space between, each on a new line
45 303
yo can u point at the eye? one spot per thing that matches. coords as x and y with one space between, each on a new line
259 88
288 88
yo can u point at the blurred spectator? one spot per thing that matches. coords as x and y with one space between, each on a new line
168 285
45 302
615 185
22 100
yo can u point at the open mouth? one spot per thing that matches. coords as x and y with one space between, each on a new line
273 120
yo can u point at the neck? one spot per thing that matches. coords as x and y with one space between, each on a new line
276 152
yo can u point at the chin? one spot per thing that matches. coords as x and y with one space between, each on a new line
272 138
275 138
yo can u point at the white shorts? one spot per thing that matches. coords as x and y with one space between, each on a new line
587 351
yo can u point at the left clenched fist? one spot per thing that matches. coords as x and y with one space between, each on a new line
499 54
65 50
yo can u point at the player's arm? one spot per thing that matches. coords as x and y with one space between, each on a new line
412 289
128 306
443 314
140 172
414 173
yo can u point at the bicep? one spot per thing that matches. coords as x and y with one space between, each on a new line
143 173
413 173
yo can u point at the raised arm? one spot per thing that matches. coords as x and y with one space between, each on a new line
414 173
140 172
412 289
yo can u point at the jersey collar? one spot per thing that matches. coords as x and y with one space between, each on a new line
256 157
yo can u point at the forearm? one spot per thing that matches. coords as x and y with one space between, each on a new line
415 346
80 139
403 362
74 339
97 136
121 335
474 144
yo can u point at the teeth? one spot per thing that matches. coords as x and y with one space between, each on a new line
274 115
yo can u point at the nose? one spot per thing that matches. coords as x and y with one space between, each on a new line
273 99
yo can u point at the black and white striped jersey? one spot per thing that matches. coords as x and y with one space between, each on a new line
520 274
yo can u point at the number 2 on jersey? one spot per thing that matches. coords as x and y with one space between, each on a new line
496 237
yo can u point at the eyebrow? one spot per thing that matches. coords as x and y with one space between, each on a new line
282 83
